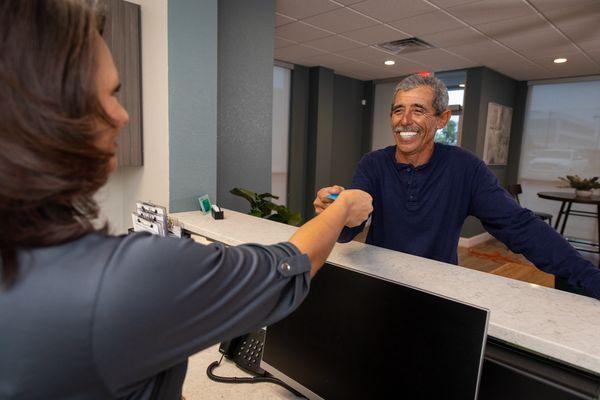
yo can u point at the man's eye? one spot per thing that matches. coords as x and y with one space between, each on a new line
418 112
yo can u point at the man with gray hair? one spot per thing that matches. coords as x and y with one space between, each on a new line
423 192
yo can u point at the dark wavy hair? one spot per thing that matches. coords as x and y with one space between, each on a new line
50 120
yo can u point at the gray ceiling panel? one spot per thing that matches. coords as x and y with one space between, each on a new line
376 34
519 38
300 9
392 10
484 11
423 24
341 20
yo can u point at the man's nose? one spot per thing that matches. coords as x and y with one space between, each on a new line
406 118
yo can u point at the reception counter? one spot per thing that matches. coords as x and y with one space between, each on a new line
559 331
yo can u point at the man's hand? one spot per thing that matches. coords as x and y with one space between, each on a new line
321 201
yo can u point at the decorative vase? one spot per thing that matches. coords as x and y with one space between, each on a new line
583 193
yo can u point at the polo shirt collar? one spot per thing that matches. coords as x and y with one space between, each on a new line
435 156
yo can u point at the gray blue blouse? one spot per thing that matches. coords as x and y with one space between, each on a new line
108 317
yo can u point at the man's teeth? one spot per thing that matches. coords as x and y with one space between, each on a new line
408 135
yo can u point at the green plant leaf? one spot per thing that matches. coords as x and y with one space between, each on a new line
576 182
261 206
294 219
265 209
246 194
277 218
267 195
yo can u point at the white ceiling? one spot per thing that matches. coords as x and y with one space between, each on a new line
519 38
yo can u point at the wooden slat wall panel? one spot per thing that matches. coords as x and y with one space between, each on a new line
122 33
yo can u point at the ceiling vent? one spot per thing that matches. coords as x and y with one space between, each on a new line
405 45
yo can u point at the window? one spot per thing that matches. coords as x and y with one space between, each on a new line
561 136
281 118
562 131
450 134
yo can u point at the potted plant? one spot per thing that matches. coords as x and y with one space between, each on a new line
583 186
261 206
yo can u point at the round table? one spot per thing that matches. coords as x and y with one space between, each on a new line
567 200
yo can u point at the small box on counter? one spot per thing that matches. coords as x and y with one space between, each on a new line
216 211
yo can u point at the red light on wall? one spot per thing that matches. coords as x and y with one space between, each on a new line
424 73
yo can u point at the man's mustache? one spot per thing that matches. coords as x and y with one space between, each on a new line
402 128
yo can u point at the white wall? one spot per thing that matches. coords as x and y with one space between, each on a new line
150 182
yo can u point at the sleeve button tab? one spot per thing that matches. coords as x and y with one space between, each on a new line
286 267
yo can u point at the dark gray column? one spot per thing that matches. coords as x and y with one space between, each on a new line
471 111
297 172
320 133
516 133
368 114
192 102
349 133
245 87
470 126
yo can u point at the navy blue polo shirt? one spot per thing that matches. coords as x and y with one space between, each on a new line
421 210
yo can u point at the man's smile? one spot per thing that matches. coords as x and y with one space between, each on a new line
407 133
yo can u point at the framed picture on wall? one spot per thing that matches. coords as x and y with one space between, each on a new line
497 134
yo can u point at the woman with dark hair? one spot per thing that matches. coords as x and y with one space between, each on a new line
85 314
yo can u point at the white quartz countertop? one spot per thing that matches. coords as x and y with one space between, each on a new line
553 323
198 386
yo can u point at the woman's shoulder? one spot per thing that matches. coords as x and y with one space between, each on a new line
145 248
101 250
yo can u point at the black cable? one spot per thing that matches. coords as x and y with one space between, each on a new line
257 379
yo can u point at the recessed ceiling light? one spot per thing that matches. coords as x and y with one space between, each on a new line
389 62
560 60
461 85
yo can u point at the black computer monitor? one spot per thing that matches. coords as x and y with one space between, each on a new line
361 337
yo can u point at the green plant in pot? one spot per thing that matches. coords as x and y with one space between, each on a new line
583 186
261 206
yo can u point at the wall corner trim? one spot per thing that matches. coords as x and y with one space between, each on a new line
474 240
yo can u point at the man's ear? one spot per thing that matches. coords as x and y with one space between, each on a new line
443 119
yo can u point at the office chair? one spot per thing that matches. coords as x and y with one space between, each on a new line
516 190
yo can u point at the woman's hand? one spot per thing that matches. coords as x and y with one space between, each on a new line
359 204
